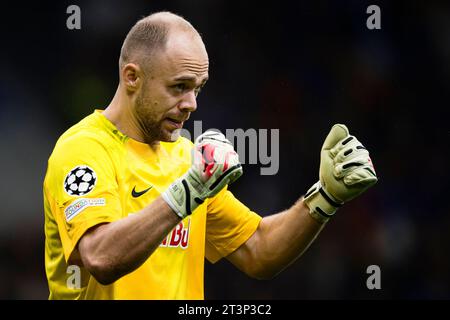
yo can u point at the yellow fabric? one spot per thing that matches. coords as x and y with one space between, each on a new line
175 269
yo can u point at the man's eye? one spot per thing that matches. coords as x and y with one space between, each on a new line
180 87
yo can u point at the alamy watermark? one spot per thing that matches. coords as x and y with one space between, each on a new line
254 146
73 21
374 20
74 278
374 280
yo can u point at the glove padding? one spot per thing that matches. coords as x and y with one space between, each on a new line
214 165
346 171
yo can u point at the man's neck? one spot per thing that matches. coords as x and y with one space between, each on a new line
120 114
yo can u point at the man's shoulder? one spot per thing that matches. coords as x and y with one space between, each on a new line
85 136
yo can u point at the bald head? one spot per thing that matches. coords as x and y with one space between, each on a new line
150 35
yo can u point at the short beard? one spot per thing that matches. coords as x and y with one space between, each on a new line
149 125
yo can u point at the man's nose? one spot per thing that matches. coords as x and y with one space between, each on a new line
189 102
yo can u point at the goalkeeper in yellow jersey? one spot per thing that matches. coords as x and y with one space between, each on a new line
136 208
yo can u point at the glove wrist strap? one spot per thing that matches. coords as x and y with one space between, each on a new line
181 197
321 206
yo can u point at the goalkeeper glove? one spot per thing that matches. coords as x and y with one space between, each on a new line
346 171
215 164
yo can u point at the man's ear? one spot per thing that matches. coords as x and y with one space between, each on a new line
131 77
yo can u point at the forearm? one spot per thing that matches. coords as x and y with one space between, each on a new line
288 235
115 249
279 240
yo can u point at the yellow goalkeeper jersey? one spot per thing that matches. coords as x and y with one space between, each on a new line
96 174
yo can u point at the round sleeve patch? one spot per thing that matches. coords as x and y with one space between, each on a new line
80 181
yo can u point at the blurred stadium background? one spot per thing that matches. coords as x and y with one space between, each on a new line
297 66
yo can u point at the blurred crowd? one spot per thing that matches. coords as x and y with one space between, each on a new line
297 66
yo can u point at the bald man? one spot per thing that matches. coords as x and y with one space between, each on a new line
130 215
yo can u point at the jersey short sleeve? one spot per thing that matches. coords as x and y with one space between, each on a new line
229 224
81 188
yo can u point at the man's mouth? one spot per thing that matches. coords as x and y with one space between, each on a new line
177 123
